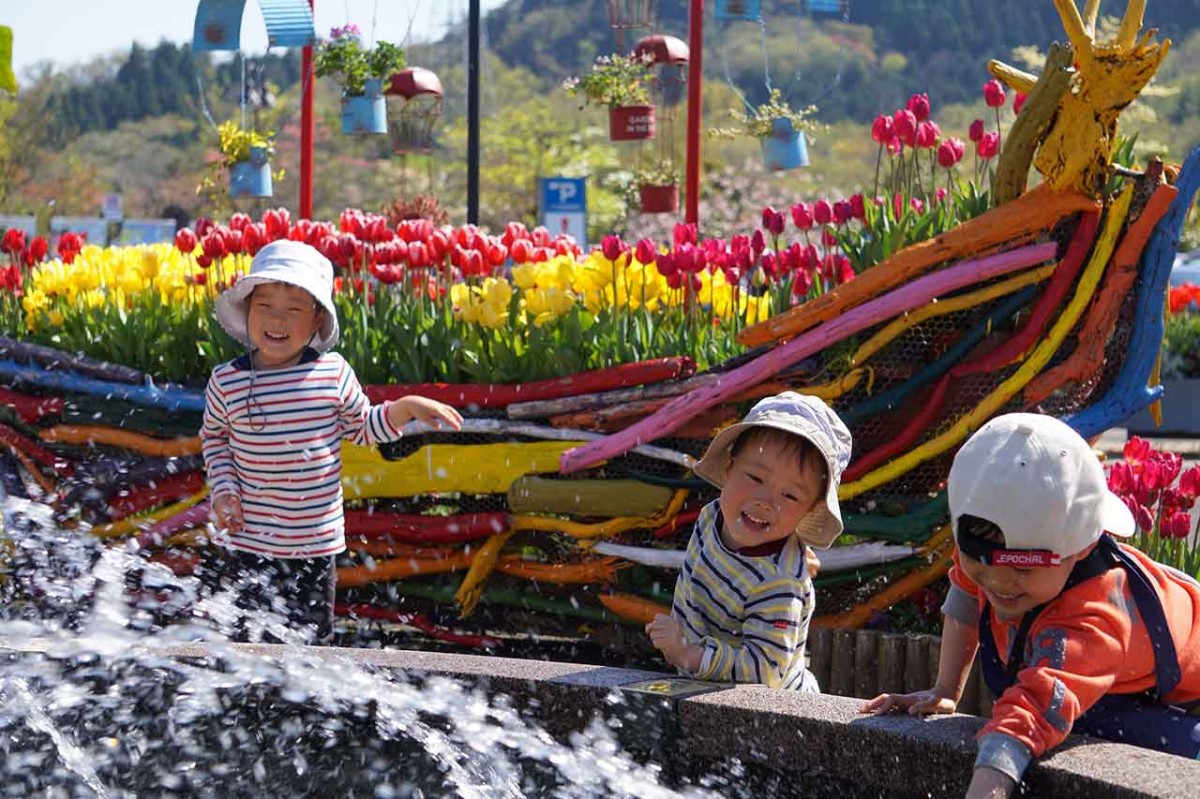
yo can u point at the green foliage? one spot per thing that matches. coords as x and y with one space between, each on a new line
345 58
759 122
1181 346
617 81
657 173
8 81
236 142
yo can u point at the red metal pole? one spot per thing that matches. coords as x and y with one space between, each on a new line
695 64
306 130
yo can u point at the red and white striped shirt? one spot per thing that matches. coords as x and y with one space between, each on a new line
274 438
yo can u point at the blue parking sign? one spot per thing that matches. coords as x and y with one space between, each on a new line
563 207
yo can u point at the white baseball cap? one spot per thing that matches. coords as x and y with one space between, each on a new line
809 418
1040 482
283 261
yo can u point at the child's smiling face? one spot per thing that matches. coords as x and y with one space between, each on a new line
1013 592
281 321
768 490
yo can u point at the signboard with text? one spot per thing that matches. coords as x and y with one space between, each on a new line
563 207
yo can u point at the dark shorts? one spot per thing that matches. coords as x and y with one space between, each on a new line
301 590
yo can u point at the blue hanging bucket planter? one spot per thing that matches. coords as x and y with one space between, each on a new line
251 178
750 10
365 114
785 148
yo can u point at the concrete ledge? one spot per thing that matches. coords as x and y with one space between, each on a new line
785 744
815 735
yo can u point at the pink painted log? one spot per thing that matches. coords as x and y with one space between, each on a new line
907 297
155 534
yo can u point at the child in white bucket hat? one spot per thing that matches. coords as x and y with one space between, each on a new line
274 420
1096 637
744 597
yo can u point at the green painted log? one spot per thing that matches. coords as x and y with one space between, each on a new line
587 498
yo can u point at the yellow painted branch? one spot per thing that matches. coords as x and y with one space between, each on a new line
1090 279
604 529
1015 79
1131 24
1090 12
835 388
482 565
131 524
447 468
1073 25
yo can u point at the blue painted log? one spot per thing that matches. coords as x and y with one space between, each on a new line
170 397
1129 393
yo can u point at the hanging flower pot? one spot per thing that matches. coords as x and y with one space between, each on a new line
750 10
659 199
251 178
631 123
365 114
785 148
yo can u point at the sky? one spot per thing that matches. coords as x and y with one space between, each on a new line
67 32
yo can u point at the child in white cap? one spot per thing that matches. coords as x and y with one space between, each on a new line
274 420
1076 632
744 597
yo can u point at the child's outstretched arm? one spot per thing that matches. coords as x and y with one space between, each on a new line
959 642
413 407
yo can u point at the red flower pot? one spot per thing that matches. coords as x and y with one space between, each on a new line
631 123
659 199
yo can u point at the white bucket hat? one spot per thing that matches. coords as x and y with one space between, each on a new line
1038 480
809 418
284 261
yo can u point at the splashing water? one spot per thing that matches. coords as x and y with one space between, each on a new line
94 703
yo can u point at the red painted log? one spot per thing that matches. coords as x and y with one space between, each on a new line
31 409
417 620
498 395
134 499
412 528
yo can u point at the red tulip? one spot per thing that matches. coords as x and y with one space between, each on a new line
497 254
802 215
204 226
1176 525
919 105
473 264
1189 485
1137 449
758 244
521 251
185 241
38 247
994 94
842 212
883 129
214 245
773 221
14 241
950 152
975 132
612 247
646 251
822 212
858 207
665 264
239 221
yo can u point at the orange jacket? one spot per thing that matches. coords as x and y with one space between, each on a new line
1104 650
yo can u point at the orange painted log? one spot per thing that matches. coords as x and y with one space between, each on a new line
1087 358
400 568
91 435
1013 223
603 570
634 608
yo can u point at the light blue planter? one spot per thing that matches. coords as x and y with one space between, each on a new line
251 178
750 10
365 114
786 148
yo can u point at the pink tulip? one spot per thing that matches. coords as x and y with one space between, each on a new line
1019 102
994 94
927 134
919 105
975 132
950 152
905 122
822 212
989 145
883 129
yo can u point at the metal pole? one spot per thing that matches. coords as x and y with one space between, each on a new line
695 64
473 113
306 130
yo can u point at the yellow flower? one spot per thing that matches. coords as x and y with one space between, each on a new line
55 317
